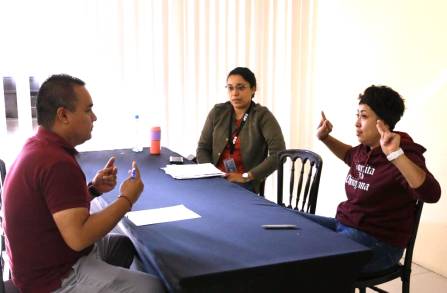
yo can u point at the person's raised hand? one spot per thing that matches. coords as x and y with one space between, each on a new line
132 186
324 127
105 179
389 141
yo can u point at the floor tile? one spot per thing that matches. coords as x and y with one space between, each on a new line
422 281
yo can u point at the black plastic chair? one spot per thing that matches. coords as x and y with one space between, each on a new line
400 270
311 165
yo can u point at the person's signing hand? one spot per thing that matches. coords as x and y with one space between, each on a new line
105 179
324 127
389 141
133 185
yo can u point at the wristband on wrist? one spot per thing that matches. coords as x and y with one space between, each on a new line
127 199
394 155
92 190
246 177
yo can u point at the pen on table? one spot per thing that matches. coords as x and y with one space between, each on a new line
280 226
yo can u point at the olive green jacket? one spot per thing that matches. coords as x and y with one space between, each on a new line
260 139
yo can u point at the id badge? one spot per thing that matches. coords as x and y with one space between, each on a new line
230 165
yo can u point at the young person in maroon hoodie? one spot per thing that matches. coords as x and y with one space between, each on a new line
387 176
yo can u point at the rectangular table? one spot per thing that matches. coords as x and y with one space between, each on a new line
227 250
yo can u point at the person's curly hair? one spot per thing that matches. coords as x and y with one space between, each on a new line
385 102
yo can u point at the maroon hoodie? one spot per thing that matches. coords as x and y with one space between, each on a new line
380 201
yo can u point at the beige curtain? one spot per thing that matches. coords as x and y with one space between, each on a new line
165 60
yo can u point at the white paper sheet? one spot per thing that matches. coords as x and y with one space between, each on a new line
161 215
190 171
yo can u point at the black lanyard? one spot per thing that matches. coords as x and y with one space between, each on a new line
232 141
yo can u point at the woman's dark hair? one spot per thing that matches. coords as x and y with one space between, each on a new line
245 73
385 102
57 91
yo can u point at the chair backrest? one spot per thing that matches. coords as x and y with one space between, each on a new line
2 177
2 283
409 250
262 185
2 170
5 286
310 165
2 242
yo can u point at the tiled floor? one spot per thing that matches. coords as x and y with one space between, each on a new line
422 281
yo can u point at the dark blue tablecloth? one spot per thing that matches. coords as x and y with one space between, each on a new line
227 250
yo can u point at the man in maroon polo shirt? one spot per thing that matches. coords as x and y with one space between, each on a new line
53 241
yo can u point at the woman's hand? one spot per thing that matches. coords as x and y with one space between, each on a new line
389 141
235 177
324 127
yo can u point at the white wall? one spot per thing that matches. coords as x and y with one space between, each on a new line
401 44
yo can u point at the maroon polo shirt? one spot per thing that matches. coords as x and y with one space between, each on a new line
44 179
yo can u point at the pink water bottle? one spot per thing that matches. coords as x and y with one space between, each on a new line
155 141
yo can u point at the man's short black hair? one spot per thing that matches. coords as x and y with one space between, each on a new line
57 91
385 102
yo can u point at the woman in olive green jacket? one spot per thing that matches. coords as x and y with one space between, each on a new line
240 137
